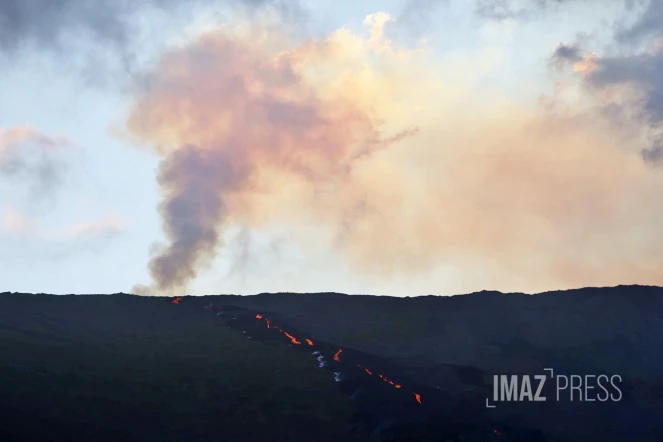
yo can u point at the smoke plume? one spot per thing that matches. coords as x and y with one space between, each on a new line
403 164
226 112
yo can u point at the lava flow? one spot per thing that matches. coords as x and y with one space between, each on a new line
177 300
337 357
291 337
383 377
365 369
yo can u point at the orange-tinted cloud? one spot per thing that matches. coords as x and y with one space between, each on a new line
408 163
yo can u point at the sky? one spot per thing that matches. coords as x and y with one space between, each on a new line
398 148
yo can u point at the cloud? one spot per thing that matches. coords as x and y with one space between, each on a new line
414 20
401 163
105 42
654 154
529 9
629 81
650 23
16 224
110 225
566 53
273 108
47 24
513 9
26 238
33 159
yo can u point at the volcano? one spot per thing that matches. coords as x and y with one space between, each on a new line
326 366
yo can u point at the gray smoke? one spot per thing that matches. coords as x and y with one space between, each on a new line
638 69
46 24
192 181
106 42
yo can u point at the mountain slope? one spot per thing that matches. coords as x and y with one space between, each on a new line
128 368
146 369
611 329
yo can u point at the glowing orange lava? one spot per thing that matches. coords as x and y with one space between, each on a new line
292 338
366 369
177 300
388 381
337 355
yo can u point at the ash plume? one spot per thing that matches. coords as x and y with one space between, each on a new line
402 166
243 113
193 181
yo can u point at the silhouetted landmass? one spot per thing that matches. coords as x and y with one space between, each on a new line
122 367
125 368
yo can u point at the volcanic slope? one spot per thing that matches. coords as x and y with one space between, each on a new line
169 369
126 368
456 344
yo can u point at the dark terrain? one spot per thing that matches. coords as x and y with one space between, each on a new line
121 367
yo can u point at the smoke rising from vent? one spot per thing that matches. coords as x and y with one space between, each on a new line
226 111
410 164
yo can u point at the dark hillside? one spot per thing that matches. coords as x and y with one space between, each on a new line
122 367
600 329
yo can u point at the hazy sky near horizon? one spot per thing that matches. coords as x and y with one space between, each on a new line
395 147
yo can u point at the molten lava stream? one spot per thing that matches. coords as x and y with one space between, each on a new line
292 338
177 300
337 355
365 369
267 321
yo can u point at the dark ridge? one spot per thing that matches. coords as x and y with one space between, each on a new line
130 352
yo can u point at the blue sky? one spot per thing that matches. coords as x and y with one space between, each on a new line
91 226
